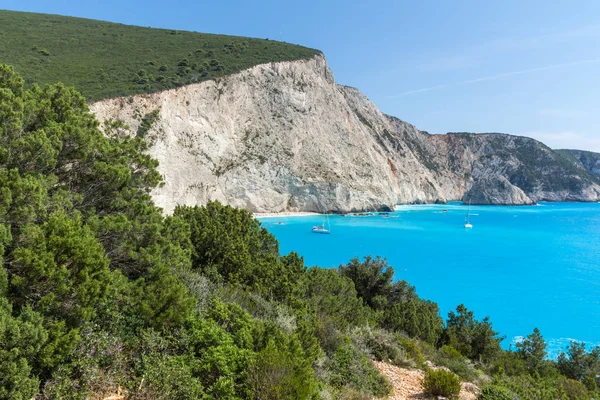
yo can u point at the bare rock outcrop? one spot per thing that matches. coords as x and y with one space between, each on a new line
496 189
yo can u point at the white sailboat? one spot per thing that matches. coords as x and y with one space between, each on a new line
321 228
468 225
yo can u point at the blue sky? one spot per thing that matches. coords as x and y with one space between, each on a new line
525 67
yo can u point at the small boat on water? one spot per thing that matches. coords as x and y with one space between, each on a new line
468 225
321 228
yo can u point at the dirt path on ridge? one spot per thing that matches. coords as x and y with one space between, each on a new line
406 383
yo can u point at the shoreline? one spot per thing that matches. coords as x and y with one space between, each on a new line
285 214
409 207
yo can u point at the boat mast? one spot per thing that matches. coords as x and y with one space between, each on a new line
468 210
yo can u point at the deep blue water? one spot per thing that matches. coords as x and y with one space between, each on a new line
522 266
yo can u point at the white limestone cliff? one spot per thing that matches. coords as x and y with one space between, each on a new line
285 137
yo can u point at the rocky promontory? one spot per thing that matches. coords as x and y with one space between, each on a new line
496 189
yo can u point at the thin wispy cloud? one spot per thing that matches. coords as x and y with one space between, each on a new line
474 55
549 39
495 77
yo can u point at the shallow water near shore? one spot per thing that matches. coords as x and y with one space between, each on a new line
523 266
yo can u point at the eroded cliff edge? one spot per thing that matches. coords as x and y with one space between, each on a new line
285 137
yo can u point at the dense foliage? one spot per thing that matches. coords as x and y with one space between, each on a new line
104 59
398 307
474 339
102 295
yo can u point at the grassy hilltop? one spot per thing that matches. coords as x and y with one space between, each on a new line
104 59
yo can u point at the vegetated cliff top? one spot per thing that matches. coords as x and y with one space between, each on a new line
105 59
589 159
575 151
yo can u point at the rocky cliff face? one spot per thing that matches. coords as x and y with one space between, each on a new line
496 189
285 137
589 160
541 173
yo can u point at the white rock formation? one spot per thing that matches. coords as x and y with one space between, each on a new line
284 137
496 189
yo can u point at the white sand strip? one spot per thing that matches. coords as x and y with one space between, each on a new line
284 214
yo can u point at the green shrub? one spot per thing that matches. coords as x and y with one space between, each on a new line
412 349
472 338
527 387
279 374
399 306
147 122
230 246
441 383
378 343
509 363
451 353
579 364
382 345
171 377
451 358
21 339
351 394
572 389
493 392
464 369
348 367
334 298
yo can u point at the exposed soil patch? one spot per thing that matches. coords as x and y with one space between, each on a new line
406 383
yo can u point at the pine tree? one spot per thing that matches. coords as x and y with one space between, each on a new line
532 350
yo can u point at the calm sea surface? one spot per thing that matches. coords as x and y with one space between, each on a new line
522 266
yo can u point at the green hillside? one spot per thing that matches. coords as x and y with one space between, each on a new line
104 59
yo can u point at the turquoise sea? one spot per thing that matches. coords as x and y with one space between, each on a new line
522 266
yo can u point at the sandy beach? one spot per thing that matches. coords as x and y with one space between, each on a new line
284 214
